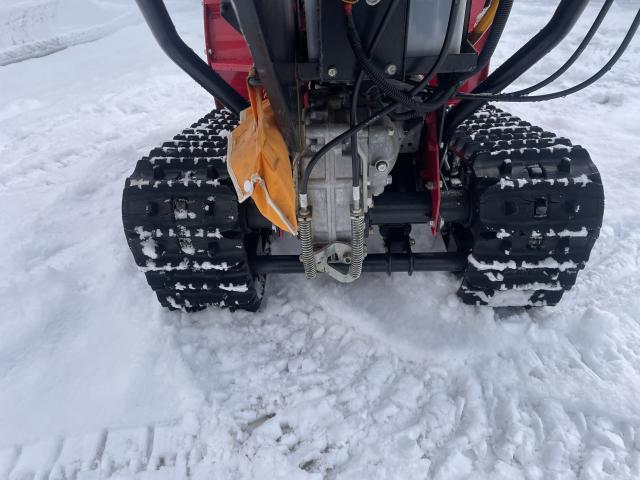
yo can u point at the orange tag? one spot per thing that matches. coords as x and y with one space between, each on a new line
259 165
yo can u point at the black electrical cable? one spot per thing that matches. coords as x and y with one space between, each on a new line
378 77
556 29
437 101
355 159
581 48
509 97
489 48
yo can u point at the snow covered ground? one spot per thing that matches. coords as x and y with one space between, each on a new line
388 378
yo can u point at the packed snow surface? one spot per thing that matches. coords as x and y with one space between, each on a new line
391 377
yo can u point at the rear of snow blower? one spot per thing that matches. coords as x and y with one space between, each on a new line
342 120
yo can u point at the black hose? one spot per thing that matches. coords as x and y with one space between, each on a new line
509 97
355 159
379 77
497 28
374 73
581 48
439 99
561 23
495 34
159 21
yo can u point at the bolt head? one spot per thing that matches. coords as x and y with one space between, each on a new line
332 72
382 166
391 69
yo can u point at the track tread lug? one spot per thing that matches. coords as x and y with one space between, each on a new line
182 222
539 207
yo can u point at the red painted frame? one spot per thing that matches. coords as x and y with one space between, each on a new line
430 172
227 51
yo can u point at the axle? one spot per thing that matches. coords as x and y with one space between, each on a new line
397 208
374 263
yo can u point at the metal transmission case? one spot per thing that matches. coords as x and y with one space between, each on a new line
330 185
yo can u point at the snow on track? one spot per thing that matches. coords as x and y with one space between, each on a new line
390 377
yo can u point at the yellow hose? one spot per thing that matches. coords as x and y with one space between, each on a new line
484 22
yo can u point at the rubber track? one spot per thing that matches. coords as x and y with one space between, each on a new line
182 221
539 204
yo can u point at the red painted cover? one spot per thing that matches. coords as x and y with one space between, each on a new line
227 51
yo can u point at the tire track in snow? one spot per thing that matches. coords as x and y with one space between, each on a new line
103 454
37 28
49 46
529 438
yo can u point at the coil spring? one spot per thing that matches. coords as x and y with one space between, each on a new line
357 245
305 233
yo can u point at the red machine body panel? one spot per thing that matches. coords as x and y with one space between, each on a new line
227 51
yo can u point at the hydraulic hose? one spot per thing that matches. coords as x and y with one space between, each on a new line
581 48
509 97
561 23
497 28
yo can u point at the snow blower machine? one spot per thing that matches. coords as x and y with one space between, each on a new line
348 127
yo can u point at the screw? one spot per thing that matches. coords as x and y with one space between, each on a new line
332 72
391 69
346 259
382 166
